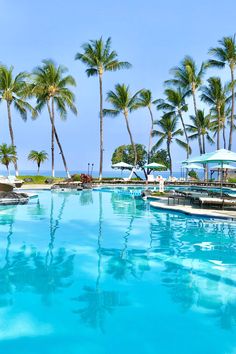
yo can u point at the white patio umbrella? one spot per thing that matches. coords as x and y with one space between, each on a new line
192 166
122 165
219 156
154 166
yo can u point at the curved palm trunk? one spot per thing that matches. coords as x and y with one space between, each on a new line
11 133
101 127
38 169
232 110
204 151
185 133
195 110
51 115
169 155
131 139
150 137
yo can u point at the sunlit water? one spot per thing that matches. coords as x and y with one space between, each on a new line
102 273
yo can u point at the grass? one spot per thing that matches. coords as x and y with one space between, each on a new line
40 179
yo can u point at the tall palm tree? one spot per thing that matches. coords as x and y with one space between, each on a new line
188 77
50 86
175 103
224 55
123 102
200 123
216 95
169 132
225 117
13 92
145 99
38 156
7 155
98 57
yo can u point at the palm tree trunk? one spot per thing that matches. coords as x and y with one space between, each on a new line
150 136
51 115
204 151
218 128
38 169
101 127
170 159
185 133
224 137
232 110
131 139
195 110
52 137
11 133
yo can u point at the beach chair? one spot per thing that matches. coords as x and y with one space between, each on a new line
151 178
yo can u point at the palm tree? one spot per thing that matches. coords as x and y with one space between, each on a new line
224 55
7 155
188 77
175 104
98 57
200 123
215 94
169 132
145 99
38 156
123 102
50 86
13 92
225 116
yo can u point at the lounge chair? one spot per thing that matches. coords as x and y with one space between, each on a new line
211 201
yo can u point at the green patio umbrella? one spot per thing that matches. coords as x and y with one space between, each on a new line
154 166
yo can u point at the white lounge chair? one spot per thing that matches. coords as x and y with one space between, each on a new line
151 178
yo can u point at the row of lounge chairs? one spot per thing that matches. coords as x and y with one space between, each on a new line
202 198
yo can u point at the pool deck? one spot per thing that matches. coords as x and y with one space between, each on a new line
162 203
36 186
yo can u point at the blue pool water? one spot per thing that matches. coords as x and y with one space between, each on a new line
102 273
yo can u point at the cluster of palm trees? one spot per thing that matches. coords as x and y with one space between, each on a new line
50 85
186 82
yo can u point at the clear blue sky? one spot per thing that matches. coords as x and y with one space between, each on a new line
153 35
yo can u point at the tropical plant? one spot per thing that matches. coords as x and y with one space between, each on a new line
50 86
175 104
38 156
169 132
200 123
125 153
123 102
188 77
13 92
98 57
7 155
145 99
160 156
224 55
216 95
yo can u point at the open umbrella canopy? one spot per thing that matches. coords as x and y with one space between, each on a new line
122 165
225 166
218 156
154 166
192 166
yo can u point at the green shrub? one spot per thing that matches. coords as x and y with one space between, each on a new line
75 177
232 180
40 179
193 174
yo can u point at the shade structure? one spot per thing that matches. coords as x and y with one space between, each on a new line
225 167
154 166
122 165
219 156
192 166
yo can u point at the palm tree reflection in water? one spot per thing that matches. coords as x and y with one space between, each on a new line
99 302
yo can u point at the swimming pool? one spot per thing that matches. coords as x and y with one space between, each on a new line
94 272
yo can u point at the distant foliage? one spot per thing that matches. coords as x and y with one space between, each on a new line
125 153
193 174
160 156
75 177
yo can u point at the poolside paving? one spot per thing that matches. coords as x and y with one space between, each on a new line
162 203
